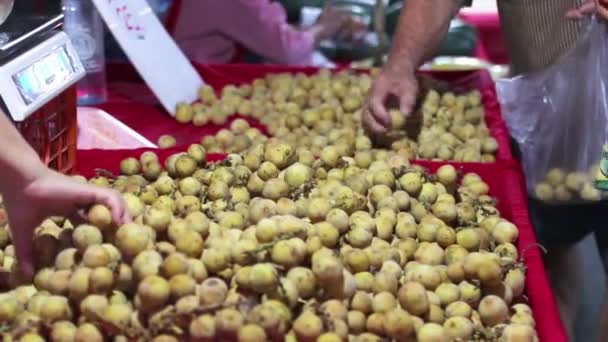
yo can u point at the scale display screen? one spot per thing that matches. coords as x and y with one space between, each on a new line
45 75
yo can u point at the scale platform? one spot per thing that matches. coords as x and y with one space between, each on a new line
19 32
37 63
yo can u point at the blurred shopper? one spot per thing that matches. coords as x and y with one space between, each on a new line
31 192
211 31
537 33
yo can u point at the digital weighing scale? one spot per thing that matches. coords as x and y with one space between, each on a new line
37 63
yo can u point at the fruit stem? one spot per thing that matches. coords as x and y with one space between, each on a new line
104 173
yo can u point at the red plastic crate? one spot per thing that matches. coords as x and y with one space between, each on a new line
134 104
52 132
505 181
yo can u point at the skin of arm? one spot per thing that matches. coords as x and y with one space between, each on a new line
262 27
19 163
32 192
421 28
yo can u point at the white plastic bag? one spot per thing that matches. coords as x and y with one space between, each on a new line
558 116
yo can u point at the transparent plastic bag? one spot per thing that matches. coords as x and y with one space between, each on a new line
558 117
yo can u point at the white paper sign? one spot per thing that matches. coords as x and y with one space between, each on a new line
151 49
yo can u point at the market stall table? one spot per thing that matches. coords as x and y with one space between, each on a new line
133 104
505 183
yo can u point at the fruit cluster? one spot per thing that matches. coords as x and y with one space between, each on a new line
271 245
314 111
560 186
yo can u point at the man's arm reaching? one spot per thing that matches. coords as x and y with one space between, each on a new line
422 26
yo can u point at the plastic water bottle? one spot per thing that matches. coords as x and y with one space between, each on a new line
84 26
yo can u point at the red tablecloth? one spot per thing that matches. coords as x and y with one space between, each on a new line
132 103
505 182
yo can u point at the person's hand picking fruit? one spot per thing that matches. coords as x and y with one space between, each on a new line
599 7
32 192
416 39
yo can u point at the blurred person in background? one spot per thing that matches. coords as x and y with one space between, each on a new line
211 31
537 33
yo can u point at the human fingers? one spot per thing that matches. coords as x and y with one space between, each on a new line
116 203
358 25
376 102
22 233
588 7
90 194
371 126
407 101
332 13
379 112
77 218
602 8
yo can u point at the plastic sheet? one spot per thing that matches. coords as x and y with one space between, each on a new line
558 116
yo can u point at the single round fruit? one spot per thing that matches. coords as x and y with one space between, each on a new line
85 236
166 141
153 293
131 239
493 310
431 332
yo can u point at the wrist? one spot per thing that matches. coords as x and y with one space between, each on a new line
27 171
400 65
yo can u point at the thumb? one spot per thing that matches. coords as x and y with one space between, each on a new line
377 106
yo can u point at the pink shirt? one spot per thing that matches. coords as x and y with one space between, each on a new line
209 30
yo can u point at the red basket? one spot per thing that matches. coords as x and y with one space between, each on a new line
52 132
134 104
506 185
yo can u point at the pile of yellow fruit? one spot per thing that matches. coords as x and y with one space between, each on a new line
560 186
314 111
275 245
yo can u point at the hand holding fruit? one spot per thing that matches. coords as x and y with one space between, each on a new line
600 7
389 85
46 194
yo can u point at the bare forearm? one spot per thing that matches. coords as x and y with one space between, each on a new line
422 26
19 163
